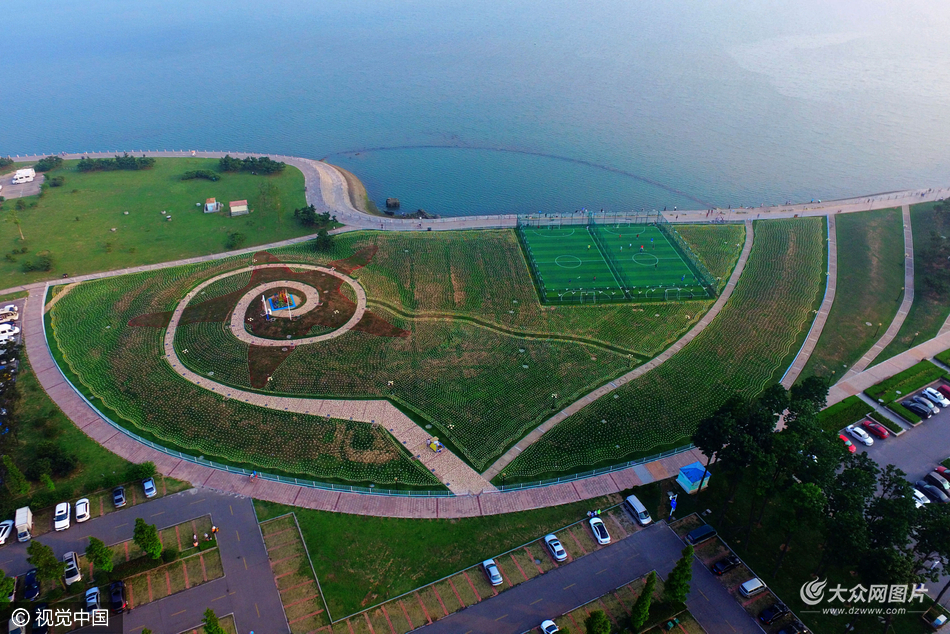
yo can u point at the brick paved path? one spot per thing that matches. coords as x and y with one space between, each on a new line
901 315
814 333
600 392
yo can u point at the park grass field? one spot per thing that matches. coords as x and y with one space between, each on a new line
931 306
746 347
74 222
717 247
869 290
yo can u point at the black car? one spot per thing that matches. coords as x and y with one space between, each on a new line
795 627
117 597
118 497
39 629
938 481
918 409
31 586
773 613
723 566
935 494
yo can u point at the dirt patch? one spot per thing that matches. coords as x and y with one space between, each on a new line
356 261
152 320
265 257
373 324
263 361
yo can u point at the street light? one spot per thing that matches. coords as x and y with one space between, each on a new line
553 401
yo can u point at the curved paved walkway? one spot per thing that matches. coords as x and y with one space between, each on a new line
310 294
814 333
902 312
657 361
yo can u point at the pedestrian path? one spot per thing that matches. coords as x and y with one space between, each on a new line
818 325
657 361
905 306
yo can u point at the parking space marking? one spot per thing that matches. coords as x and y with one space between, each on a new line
177 613
503 616
601 572
536 601
570 586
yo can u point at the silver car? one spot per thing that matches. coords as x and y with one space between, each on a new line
926 403
92 599
491 570
554 545
72 574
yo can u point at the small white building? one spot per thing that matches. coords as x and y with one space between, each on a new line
212 206
238 208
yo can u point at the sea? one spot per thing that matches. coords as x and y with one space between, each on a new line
481 107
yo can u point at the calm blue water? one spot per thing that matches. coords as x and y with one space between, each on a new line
685 100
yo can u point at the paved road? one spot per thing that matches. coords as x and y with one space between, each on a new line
251 596
549 595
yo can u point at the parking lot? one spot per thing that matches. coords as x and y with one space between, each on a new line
23 189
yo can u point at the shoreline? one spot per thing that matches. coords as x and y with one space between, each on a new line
359 197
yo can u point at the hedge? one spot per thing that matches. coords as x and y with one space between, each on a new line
887 422
904 413
844 413
943 357
905 382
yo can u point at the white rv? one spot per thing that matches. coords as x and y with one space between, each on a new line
24 176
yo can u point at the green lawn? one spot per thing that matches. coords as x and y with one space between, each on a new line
868 293
361 561
930 307
749 345
717 246
74 222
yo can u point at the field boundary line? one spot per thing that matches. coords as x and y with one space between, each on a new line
658 360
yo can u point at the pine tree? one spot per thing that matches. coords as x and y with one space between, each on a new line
677 583
211 623
597 623
641 609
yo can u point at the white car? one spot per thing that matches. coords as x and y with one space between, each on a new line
936 397
6 330
860 435
61 516
554 545
92 599
8 316
919 498
549 627
72 574
6 528
9 308
599 530
148 485
491 571
82 510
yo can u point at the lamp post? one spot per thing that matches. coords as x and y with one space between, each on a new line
553 402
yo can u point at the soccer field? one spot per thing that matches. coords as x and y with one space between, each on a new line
612 262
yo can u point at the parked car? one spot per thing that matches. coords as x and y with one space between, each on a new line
919 498
16 584
7 317
10 308
549 627
936 397
118 497
82 510
917 408
6 527
795 627
861 435
72 574
876 428
37 628
8 330
926 403
638 510
149 485
31 586
491 571
61 516
943 471
12 627
554 545
938 481
752 587
847 443
117 597
599 530
701 534
92 599
725 564
935 494
944 389
773 613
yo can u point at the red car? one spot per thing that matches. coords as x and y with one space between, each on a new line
876 428
943 471
943 389
847 443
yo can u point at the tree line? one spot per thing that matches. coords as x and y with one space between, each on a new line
261 165
124 162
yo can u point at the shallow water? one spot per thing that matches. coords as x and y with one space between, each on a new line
684 101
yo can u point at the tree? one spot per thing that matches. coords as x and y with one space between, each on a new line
323 241
814 389
14 217
677 583
641 609
141 471
47 481
6 587
597 623
807 502
146 537
211 623
47 564
99 554
711 435
16 481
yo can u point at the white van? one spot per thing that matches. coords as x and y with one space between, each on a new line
752 587
24 176
636 508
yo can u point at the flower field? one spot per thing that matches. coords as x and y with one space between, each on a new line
744 349
123 367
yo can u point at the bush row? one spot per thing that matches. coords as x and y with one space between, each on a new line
262 165
844 413
905 382
124 162
205 174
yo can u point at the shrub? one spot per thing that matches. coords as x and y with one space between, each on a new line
235 240
323 241
262 165
15 480
38 468
169 555
20 204
47 163
124 162
308 216
5 161
205 174
61 460
41 263
844 413
56 181
140 471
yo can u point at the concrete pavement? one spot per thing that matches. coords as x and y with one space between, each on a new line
556 592
247 590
